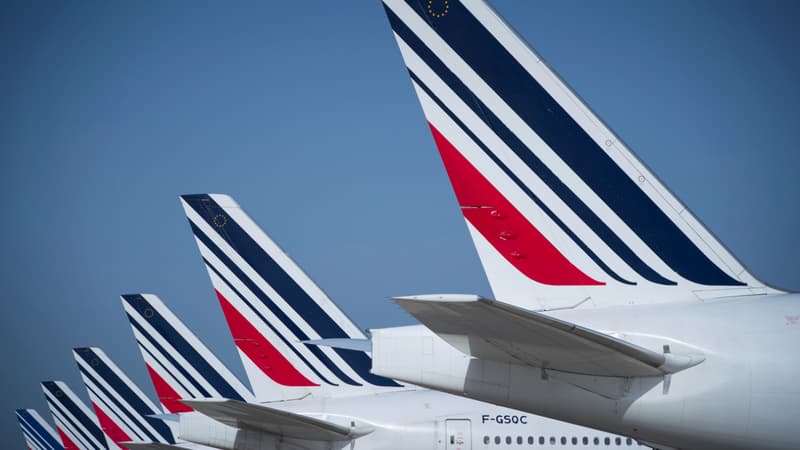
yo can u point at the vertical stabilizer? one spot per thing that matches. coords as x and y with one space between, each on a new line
76 424
39 435
559 209
124 413
274 309
180 366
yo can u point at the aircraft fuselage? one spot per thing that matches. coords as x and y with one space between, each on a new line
745 394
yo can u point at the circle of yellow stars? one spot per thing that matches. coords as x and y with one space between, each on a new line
440 13
220 220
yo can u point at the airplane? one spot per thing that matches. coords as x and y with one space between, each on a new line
615 308
126 415
303 356
76 424
185 373
39 435
179 364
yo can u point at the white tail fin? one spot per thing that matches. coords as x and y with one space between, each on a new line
76 424
180 366
39 435
274 309
559 209
125 414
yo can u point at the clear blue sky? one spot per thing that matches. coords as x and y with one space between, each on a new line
303 111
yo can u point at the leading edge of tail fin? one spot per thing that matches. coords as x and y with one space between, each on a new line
558 208
76 424
39 435
122 409
272 307
179 364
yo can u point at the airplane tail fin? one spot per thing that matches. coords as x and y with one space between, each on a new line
274 310
180 366
76 424
39 435
559 209
124 413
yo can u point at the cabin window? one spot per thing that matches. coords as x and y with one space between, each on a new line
486 440
563 440
607 441
585 440
497 439
530 440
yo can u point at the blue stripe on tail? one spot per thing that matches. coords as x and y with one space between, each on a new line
472 42
69 409
36 431
171 335
121 389
287 288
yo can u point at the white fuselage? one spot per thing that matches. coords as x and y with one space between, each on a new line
422 419
745 394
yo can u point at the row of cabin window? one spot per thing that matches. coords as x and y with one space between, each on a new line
585 441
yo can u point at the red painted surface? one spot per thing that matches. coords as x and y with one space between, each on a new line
500 223
110 428
249 340
68 444
168 397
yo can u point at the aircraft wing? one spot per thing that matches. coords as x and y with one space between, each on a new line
274 421
493 330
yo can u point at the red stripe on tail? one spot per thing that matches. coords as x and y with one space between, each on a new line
110 428
168 397
500 223
68 444
259 350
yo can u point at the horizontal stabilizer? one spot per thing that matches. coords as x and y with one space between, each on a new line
361 345
274 421
493 330
149 446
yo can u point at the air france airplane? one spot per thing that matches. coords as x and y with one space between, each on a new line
76 424
126 415
39 435
307 362
185 373
616 308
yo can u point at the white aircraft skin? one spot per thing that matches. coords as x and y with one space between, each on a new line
628 315
744 395
379 413
419 419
